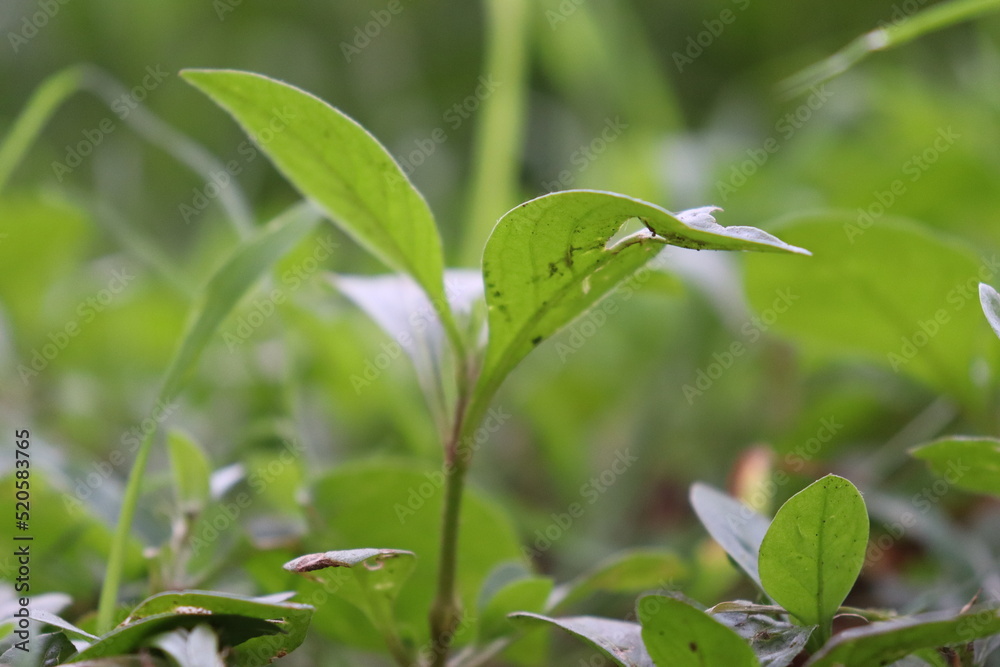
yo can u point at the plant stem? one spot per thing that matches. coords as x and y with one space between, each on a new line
446 610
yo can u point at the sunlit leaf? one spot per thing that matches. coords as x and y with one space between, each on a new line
335 162
813 551
549 260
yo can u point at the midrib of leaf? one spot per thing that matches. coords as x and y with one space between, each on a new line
820 588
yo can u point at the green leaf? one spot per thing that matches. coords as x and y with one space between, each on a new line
887 641
989 298
918 322
334 161
548 261
775 643
814 550
678 635
240 622
628 572
969 463
399 502
736 527
620 641
249 262
197 647
191 472
372 588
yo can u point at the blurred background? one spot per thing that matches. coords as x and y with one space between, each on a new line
756 374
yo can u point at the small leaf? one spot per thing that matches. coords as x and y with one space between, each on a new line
736 527
678 635
969 463
631 571
887 641
620 641
814 550
990 300
399 502
370 579
334 161
197 647
776 643
548 261
191 472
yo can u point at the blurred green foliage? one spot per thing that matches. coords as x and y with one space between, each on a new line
105 247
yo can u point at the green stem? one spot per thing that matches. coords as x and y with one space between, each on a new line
446 610
119 543
498 142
